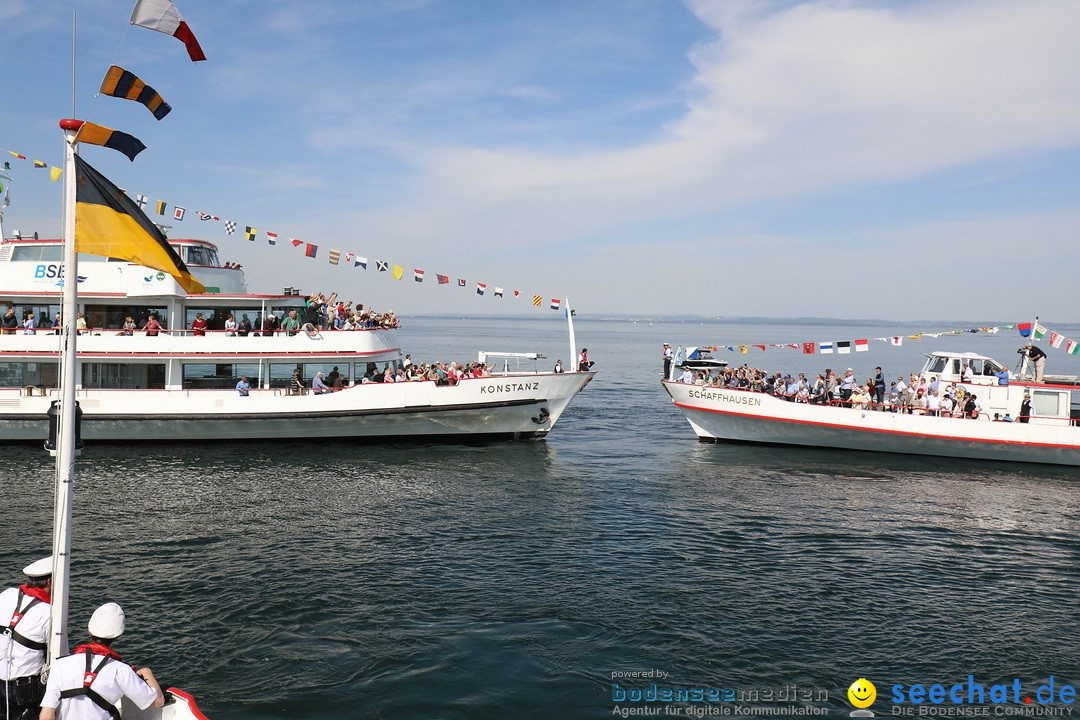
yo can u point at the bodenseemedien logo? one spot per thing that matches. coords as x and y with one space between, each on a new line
862 694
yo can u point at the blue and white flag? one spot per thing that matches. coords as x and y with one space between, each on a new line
825 348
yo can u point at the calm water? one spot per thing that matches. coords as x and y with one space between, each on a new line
310 578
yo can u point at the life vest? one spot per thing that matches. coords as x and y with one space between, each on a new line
16 616
89 676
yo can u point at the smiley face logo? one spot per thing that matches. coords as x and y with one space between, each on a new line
862 693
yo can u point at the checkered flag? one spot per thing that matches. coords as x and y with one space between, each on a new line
230 227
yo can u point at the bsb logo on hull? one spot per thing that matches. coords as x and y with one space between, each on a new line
53 270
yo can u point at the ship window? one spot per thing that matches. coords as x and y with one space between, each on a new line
125 376
197 255
21 374
936 365
215 376
1046 403
38 253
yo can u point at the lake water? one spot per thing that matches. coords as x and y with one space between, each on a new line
310 577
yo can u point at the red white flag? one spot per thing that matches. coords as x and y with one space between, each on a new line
418 275
808 348
862 345
1056 339
162 15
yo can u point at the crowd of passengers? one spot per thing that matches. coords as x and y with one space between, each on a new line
439 373
917 395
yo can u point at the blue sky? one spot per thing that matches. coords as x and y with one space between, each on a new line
907 160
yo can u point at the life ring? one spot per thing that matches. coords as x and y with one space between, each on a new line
310 330
960 393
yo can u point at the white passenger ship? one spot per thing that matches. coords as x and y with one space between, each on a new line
181 387
1050 435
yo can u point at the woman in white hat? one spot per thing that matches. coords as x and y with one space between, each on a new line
91 681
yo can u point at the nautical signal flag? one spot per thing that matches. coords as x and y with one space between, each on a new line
443 279
897 340
250 233
461 282
843 347
382 265
361 262
538 300
40 164
334 257
271 237
808 348
92 134
120 83
399 272
178 212
480 288
311 250
554 303
109 223
861 345
498 291
418 275
160 207
825 348
162 15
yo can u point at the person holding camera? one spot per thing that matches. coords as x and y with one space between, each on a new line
1038 359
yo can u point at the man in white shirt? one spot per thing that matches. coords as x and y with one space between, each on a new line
24 612
88 684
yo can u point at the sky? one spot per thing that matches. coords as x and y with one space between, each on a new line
889 160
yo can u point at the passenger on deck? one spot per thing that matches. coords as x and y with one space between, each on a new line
243 387
687 376
198 325
230 325
1038 358
244 328
318 386
128 327
152 326
1002 376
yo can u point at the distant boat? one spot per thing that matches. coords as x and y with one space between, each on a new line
1051 434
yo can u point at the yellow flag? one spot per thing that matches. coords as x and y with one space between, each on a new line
398 272
55 173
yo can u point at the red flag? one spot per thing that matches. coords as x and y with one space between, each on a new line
808 348
310 250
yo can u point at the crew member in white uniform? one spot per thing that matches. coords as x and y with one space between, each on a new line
24 612
89 683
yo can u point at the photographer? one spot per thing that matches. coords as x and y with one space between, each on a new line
1038 358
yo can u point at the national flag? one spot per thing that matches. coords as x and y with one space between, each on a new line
334 256
554 303
498 292
1055 339
141 201
1024 328
418 275
311 250
1040 331
39 164
382 265
1072 347
443 279
461 282
361 262
162 15
808 348
178 212
480 288
230 227
862 345
537 300
92 134
271 237
250 233
843 347
109 223
120 83
54 173
897 340
825 348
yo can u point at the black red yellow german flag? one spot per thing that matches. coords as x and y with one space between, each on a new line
109 223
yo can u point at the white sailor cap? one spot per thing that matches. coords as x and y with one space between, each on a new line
107 622
39 568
